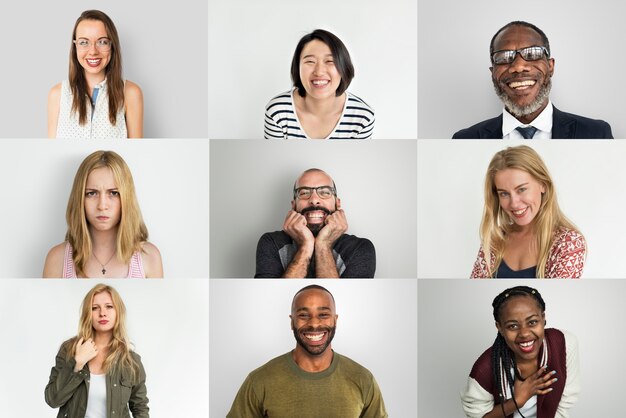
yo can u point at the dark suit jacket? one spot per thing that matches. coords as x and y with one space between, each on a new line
564 126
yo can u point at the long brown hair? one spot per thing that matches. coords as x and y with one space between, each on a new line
113 71
119 358
496 223
132 231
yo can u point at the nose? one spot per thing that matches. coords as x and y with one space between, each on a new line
515 199
519 64
102 201
320 68
315 199
93 49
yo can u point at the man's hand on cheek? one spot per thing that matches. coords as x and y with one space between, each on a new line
336 226
296 227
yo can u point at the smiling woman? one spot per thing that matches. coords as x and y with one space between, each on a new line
530 371
319 107
106 235
524 234
95 102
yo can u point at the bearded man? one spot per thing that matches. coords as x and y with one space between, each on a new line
313 242
522 72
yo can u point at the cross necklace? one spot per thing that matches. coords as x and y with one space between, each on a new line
104 270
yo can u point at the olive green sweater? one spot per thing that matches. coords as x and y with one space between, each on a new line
280 389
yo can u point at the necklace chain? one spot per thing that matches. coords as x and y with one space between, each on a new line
104 270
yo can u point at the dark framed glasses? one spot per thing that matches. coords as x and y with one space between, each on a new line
305 193
531 53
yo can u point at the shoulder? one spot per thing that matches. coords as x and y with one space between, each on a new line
151 259
568 239
55 92
277 366
348 366
481 370
585 127
132 92
486 129
356 103
53 266
282 99
277 238
349 242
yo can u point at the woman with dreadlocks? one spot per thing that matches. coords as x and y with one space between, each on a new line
529 371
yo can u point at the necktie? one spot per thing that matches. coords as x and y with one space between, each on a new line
528 132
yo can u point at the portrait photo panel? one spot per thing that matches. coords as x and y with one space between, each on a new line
252 189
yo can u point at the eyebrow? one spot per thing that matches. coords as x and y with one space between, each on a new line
515 188
313 56
514 321
321 308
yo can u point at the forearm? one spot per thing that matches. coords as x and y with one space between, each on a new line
325 266
299 265
509 409
63 383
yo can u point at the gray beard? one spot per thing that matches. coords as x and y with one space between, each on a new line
519 111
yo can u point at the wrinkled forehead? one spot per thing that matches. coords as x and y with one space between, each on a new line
313 299
516 37
314 179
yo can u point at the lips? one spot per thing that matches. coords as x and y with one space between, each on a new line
102 218
315 216
315 338
520 213
527 346
320 83
93 62
522 85
103 322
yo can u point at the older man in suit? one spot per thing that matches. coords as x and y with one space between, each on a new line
521 72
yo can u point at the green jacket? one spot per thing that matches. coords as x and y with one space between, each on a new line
68 390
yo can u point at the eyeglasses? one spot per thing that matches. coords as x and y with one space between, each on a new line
102 44
305 193
531 53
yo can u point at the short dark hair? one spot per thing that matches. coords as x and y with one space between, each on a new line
544 38
343 63
309 287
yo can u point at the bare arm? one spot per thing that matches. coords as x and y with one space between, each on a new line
53 266
336 226
54 104
152 263
133 103
295 227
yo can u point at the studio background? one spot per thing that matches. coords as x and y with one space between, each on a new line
455 88
377 328
252 188
164 51
167 323
171 182
251 45
589 177
456 326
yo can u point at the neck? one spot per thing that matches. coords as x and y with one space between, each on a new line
527 119
310 363
103 239
103 339
323 106
93 79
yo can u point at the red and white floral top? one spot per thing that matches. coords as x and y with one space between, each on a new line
566 259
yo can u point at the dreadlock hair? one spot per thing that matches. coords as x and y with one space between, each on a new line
502 359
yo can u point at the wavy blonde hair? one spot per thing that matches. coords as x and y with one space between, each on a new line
132 231
119 358
496 223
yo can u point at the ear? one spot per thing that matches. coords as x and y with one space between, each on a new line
498 327
337 203
491 70
293 205
543 316
543 188
291 322
551 66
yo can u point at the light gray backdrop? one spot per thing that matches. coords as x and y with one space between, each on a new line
589 176
251 193
164 50
171 181
456 326
455 88
377 328
251 45
167 323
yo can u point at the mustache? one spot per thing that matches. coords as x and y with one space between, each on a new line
312 208
318 329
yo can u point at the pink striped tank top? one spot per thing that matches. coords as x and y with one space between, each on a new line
135 268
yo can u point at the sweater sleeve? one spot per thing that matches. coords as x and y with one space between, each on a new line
572 384
246 403
63 381
268 264
480 266
476 400
362 263
567 256
138 402
374 405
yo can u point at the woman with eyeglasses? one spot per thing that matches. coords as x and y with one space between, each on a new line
95 102
97 374
318 106
523 232
106 235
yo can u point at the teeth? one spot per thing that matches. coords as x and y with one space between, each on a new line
519 212
527 344
320 82
314 337
516 84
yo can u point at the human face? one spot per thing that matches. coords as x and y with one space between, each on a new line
522 325
523 86
103 207
103 313
93 60
313 320
519 195
318 73
315 209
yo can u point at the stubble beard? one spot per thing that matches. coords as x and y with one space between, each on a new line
520 111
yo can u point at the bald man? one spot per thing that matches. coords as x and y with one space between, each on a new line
312 381
313 242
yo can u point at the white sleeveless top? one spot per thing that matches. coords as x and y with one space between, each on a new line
97 397
98 125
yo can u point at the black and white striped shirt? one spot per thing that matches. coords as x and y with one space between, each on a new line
281 121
